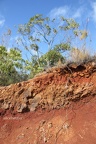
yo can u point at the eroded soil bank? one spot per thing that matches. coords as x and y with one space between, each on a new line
56 107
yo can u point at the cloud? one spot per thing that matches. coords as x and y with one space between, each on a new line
78 13
59 11
66 11
2 21
94 11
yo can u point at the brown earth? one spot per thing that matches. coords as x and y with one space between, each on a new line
56 107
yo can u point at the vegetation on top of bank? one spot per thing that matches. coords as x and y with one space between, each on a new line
45 42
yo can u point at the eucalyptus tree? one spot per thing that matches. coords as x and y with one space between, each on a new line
42 36
47 31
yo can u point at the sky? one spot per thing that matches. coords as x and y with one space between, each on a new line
15 12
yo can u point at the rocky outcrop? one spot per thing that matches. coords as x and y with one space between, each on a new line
56 88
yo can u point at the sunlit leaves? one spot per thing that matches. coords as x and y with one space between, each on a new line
48 28
51 57
76 33
10 61
55 31
54 35
84 34
34 47
40 29
69 24
62 47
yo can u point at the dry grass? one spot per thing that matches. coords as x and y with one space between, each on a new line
79 55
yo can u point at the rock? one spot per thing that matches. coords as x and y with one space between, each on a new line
33 106
28 93
93 64
54 89
50 125
5 106
78 90
50 99
22 108
19 92
34 102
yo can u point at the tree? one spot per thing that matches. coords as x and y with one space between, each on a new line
53 34
56 36
51 58
45 30
11 63
47 60
5 38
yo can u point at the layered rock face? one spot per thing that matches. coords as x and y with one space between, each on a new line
56 88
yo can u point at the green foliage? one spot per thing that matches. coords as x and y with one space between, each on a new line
82 34
33 66
5 38
10 64
56 36
62 47
45 30
47 60
69 24
41 31
51 58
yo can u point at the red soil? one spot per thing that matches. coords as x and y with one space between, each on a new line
54 119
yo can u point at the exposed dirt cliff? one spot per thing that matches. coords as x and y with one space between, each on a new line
56 107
